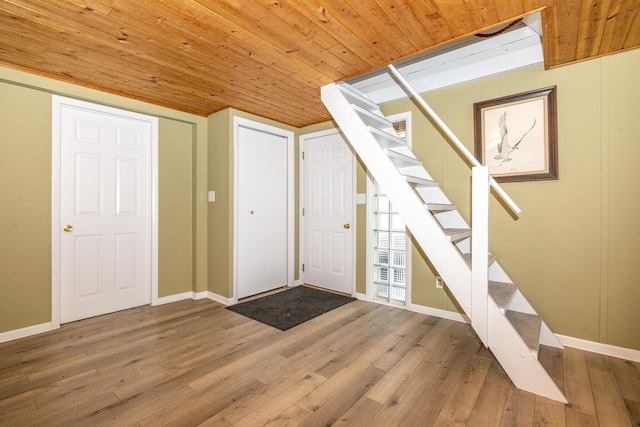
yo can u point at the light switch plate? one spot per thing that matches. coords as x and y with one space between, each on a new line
211 196
361 199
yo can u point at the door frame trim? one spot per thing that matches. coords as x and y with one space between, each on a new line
57 103
239 122
301 229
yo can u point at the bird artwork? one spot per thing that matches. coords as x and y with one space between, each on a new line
504 148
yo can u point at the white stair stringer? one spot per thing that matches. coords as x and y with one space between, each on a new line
517 359
443 235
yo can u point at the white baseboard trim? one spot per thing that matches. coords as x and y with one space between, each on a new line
359 296
194 296
25 332
580 344
175 297
200 295
422 309
437 312
219 298
592 346
600 348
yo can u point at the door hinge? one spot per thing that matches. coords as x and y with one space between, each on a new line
302 267
302 211
303 155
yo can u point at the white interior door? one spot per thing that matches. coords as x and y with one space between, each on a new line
105 210
263 209
328 218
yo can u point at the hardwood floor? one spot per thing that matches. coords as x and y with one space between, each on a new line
194 363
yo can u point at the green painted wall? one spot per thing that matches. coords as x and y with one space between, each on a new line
25 207
175 206
25 195
220 212
571 249
620 200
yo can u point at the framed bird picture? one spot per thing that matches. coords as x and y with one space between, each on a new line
517 136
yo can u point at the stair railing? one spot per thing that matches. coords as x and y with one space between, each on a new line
452 137
506 343
481 187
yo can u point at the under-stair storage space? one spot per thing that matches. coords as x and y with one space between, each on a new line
515 330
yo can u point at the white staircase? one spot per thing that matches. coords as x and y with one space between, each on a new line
501 316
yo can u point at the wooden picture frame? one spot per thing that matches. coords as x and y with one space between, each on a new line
517 136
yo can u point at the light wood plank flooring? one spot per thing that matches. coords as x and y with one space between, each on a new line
194 363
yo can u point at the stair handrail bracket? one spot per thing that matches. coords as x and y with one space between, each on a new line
452 137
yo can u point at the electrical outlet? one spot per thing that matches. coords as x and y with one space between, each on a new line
439 282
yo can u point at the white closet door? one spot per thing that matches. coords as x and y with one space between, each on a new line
262 211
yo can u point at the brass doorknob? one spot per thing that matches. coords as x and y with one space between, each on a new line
68 228
347 226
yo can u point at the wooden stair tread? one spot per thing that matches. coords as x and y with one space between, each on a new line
501 292
467 258
402 160
528 326
385 139
440 207
354 93
371 118
417 181
454 234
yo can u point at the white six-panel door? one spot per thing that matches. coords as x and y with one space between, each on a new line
328 212
105 211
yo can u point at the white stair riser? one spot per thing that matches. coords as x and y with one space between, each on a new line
451 219
497 274
356 97
433 195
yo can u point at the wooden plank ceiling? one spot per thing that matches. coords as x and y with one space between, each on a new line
270 57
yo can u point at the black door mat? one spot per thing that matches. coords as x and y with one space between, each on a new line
291 307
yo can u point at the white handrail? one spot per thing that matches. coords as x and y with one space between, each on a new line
453 138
